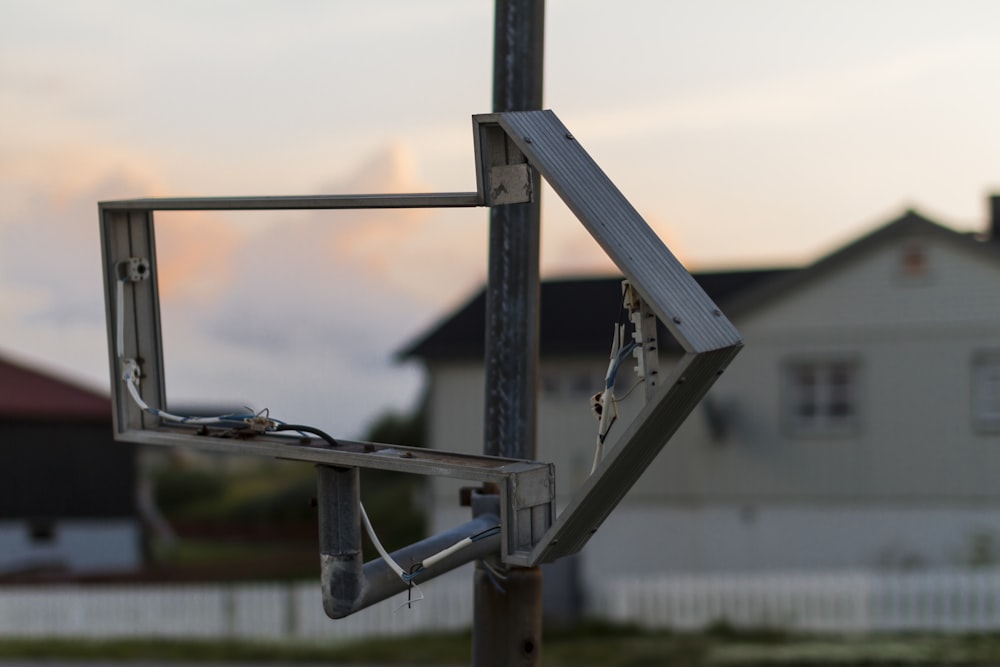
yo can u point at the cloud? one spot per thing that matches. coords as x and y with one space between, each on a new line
298 311
301 311
815 96
51 287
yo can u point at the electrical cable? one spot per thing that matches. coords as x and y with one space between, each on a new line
393 565
131 383
262 421
302 428
605 404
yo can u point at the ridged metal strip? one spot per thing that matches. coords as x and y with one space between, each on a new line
680 303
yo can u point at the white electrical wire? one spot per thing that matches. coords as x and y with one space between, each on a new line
444 553
408 577
605 403
131 382
393 565
130 376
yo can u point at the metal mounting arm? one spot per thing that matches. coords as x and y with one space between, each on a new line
510 147
348 586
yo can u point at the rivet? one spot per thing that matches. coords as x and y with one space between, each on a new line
569 136
717 312
527 140
677 320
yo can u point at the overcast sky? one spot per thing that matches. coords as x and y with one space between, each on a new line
748 133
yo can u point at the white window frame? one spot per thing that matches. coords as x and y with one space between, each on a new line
833 404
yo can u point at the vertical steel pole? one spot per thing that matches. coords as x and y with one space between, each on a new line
507 625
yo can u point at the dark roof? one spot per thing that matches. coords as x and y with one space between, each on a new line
26 393
576 316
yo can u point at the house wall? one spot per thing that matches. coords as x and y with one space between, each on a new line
566 427
915 346
914 484
74 545
67 497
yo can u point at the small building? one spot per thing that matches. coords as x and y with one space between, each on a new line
858 428
67 489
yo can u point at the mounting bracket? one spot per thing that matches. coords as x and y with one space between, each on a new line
508 146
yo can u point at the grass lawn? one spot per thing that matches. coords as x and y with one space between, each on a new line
591 645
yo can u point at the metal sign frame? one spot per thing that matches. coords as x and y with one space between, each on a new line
508 146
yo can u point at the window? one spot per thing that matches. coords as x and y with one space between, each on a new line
42 531
986 390
821 397
914 264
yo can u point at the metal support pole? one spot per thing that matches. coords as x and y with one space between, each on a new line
507 626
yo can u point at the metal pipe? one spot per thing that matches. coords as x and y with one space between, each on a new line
341 570
347 585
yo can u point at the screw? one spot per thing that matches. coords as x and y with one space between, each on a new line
677 320
569 136
527 140
717 312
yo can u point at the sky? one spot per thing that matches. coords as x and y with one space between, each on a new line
747 134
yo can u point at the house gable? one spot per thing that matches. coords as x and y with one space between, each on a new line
902 316
909 273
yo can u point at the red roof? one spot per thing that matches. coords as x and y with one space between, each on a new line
30 394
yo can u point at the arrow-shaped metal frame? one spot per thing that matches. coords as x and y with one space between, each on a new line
507 146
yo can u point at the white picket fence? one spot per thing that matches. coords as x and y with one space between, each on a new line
271 611
834 602
965 601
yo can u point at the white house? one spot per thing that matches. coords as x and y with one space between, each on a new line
859 428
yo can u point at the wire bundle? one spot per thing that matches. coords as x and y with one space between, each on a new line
262 422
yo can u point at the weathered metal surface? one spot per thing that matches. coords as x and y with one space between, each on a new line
655 424
348 585
666 289
505 625
295 202
509 184
126 235
680 303
504 142
528 514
